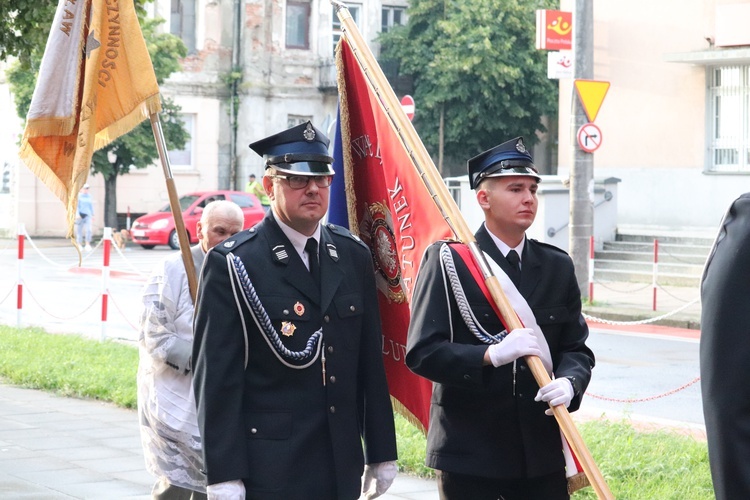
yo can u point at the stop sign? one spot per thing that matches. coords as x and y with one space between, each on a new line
407 104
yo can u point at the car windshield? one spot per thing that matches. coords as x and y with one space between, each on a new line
185 202
244 201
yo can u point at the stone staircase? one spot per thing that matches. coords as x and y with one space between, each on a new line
630 258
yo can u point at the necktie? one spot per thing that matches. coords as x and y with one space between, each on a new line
311 247
514 261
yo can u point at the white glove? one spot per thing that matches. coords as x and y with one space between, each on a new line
558 392
378 478
229 490
519 342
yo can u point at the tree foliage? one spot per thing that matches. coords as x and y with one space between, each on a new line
25 25
474 61
137 148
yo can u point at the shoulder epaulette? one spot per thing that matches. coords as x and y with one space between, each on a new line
345 233
549 245
231 243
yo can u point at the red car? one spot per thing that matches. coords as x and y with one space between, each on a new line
158 228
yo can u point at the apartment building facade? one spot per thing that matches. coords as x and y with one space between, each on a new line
254 67
675 121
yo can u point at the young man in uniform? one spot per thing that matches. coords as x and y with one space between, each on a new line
489 436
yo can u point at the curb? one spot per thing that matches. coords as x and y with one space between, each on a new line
113 273
684 321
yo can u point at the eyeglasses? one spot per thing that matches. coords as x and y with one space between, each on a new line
301 181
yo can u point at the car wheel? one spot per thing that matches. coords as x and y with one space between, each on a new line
148 247
174 240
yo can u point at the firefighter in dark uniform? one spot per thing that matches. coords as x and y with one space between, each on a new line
289 378
488 436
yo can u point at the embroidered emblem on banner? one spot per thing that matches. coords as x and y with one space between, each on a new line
376 230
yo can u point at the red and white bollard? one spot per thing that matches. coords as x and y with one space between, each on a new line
105 279
591 269
19 293
656 270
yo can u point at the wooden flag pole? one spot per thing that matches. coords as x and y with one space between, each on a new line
442 198
174 203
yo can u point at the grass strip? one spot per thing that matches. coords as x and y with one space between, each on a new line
636 465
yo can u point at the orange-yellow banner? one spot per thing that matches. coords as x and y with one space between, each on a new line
95 83
390 208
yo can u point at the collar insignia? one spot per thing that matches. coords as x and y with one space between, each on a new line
280 253
332 251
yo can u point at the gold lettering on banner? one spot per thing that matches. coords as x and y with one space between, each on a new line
396 351
67 24
403 214
114 39
362 147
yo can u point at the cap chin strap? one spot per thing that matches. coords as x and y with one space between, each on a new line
295 157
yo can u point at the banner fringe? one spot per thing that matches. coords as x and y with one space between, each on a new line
351 196
147 107
409 416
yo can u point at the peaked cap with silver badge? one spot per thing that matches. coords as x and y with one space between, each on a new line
300 150
508 158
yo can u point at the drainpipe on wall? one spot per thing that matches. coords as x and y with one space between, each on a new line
233 99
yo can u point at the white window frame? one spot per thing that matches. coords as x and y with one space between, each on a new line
183 23
356 10
388 15
294 120
177 157
729 119
288 29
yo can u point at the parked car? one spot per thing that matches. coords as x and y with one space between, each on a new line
158 228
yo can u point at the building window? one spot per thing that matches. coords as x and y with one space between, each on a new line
182 22
298 24
730 119
355 11
392 16
183 158
294 120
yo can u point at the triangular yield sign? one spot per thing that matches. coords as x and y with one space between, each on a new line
591 93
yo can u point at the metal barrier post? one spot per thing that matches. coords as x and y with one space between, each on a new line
656 270
19 293
591 269
105 279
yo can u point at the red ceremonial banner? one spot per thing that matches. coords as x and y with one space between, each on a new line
390 208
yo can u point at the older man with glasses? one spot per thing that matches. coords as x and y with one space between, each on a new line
289 380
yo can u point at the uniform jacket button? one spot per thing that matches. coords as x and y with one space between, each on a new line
253 431
352 308
332 409
286 312
330 348
327 318
332 378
